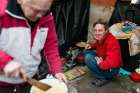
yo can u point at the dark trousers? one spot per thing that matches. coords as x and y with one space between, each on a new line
21 88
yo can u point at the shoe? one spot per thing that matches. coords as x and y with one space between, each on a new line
100 83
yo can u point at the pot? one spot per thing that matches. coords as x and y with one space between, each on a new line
80 58
56 84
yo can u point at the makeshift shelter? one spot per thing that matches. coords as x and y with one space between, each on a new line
71 18
74 20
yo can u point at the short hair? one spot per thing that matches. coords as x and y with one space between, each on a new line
103 23
36 1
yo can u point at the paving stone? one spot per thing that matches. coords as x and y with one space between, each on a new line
122 84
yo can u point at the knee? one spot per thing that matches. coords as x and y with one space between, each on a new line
88 57
90 60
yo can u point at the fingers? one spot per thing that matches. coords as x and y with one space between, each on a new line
22 75
87 46
64 78
13 69
61 77
15 73
98 59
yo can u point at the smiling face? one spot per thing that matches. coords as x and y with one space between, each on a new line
99 31
35 9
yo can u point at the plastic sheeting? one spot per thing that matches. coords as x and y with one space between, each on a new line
71 20
124 12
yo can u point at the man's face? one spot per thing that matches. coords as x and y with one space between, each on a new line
99 31
34 11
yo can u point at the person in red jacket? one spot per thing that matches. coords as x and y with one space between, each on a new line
26 30
105 61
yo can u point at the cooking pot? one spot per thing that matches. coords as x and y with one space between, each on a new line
53 82
80 58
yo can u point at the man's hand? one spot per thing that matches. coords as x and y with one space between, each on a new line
13 69
61 77
99 60
87 46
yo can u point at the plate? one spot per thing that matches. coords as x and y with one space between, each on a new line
81 44
57 86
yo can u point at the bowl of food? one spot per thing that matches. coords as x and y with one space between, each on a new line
135 77
126 28
57 86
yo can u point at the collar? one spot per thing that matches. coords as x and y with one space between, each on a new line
14 9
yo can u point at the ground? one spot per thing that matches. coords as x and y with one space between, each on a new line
122 84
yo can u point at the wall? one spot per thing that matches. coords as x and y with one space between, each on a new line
99 10
103 2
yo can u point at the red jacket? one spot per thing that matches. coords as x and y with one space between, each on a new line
109 50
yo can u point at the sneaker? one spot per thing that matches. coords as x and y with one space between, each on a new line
100 83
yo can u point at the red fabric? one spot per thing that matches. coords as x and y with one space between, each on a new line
51 48
109 50
4 59
3 4
6 84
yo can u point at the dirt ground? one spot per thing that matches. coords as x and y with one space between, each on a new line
121 84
